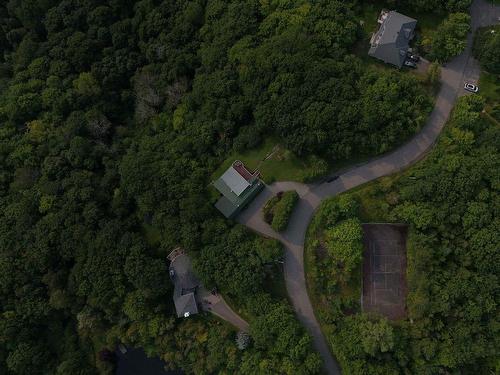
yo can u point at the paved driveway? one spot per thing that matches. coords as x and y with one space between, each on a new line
217 306
213 303
462 68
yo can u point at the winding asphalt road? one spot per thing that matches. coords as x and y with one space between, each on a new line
462 68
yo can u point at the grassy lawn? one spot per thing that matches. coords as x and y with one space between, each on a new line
281 164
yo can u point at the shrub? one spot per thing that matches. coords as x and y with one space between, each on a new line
283 210
278 209
345 243
269 207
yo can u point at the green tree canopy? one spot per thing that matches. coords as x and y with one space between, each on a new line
450 38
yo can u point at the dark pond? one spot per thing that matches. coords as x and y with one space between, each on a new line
135 362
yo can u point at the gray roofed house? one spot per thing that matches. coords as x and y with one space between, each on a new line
391 42
185 305
234 181
238 187
185 286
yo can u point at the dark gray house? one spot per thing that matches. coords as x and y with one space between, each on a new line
186 285
390 43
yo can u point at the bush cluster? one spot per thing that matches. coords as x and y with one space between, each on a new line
278 209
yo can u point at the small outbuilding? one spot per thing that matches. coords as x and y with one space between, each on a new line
238 187
392 40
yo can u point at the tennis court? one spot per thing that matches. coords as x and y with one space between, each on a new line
384 270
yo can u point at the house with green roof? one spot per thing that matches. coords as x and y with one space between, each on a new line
238 187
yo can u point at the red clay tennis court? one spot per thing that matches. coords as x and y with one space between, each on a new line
384 270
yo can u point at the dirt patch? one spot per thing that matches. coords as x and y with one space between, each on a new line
423 66
384 270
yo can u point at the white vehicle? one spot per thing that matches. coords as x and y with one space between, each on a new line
471 87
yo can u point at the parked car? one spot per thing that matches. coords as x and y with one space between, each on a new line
471 87
331 179
410 64
413 57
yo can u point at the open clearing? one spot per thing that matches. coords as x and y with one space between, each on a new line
384 270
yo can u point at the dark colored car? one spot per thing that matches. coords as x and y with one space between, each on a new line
410 64
331 179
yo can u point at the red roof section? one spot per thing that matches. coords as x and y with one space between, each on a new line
243 172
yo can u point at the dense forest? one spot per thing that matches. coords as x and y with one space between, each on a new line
451 201
113 115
